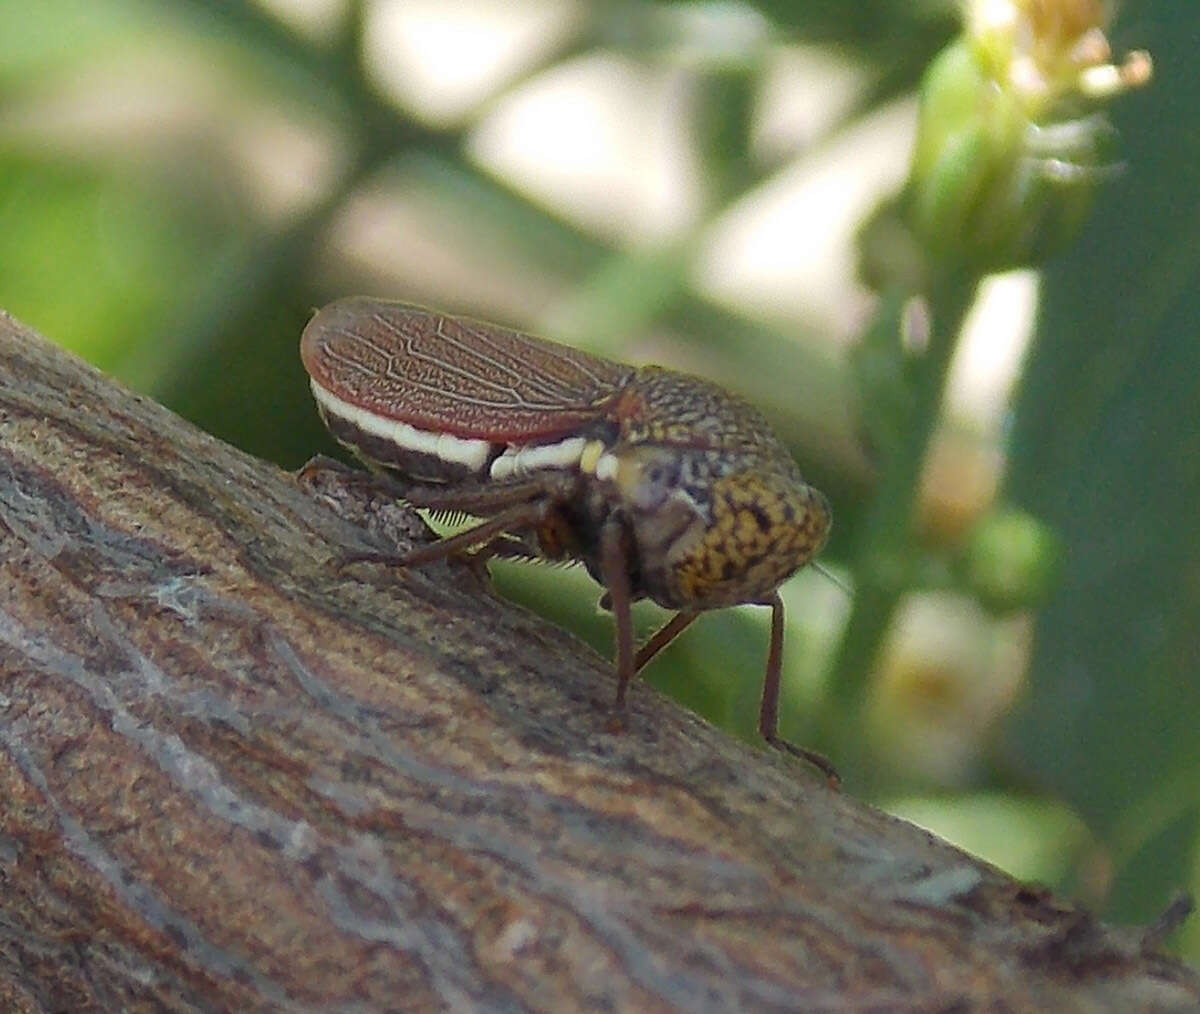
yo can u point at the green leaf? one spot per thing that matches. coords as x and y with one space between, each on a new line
1107 451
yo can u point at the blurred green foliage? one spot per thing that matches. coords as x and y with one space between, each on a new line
1106 449
132 231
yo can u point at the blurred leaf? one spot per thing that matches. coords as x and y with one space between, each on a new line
1150 877
876 27
53 34
1030 838
95 257
1107 450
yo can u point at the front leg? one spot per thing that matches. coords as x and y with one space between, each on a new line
614 572
768 715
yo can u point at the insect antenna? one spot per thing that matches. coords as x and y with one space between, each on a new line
820 568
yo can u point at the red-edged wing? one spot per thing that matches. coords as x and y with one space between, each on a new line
454 375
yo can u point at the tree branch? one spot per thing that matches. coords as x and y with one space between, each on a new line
233 777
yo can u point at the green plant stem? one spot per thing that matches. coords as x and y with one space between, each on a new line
883 560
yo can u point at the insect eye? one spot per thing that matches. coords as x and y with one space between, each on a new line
654 482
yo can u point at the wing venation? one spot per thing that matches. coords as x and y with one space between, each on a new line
454 375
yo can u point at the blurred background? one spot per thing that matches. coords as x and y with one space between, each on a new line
182 182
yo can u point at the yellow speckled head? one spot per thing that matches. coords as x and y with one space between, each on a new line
765 525
718 511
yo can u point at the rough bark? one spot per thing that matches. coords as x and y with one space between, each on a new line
235 778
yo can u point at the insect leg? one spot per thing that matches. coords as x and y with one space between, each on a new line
522 515
322 463
511 507
663 636
484 499
768 716
614 569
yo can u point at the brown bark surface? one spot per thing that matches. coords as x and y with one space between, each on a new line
235 778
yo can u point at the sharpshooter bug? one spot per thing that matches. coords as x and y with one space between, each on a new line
663 485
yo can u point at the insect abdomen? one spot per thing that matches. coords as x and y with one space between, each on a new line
392 445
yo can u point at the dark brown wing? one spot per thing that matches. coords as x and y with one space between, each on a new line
455 375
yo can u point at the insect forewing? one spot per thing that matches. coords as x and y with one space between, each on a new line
452 375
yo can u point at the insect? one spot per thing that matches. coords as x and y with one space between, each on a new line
663 485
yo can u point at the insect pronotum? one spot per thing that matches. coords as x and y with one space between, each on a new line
663 485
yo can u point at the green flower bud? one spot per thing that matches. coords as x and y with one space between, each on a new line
1010 560
1011 142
